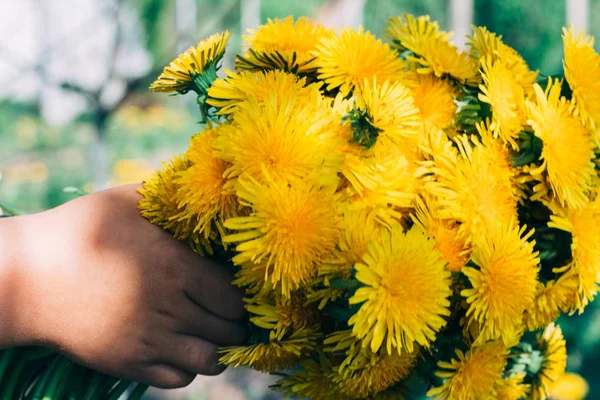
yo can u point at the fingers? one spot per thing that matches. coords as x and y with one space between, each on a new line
196 321
193 355
210 287
165 376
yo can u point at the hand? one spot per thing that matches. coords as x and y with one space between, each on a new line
120 295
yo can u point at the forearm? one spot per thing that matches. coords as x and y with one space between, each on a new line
15 311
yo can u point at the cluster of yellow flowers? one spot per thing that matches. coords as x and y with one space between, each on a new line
405 217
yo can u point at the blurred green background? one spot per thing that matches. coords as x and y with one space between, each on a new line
75 110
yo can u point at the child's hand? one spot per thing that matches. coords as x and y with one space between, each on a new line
114 292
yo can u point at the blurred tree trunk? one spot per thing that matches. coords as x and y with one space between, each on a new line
340 13
461 14
185 23
250 14
578 14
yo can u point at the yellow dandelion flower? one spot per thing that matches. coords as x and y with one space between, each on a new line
452 244
282 44
570 386
313 380
502 91
405 295
368 374
408 32
569 173
159 204
291 228
549 300
281 315
358 228
322 293
362 373
389 110
345 60
283 137
474 375
513 388
477 187
582 70
506 264
584 226
382 182
225 94
251 277
203 195
195 69
434 98
553 348
432 48
486 45
273 356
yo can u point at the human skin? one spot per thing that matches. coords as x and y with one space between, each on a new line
97 282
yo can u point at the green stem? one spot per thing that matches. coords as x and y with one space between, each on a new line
25 355
118 390
138 392
4 361
66 384
108 382
94 385
40 386
57 377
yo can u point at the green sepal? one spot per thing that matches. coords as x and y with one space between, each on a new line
363 131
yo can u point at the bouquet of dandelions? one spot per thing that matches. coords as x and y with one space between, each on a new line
405 218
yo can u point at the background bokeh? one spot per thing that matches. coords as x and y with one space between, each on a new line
75 111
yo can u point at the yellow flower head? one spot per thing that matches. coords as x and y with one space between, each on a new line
291 228
345 60
550 299
202 193
570 386
381 181
390 109
273 356
502 91
408 32
582 70
225 94
432 48
513 388
284 136
449 240
434 98
584 226
485 45
569 173
477 188
553 347
314 380
404 297
474 375
159 204
359 228
195 69
281 315
282 44
506 264
364 373
251 277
